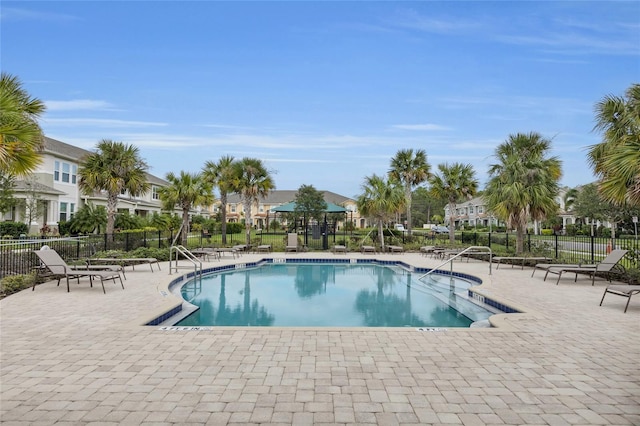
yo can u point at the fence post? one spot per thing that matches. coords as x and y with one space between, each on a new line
506 234
489 245
77 249
555 237
529 241
593 249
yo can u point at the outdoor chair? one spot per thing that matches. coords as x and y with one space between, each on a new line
612 257
52 260
607 266
368 249
622 290
292 242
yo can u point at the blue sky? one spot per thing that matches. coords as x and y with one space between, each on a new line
324 92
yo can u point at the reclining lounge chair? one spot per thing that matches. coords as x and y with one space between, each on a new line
615 255
52 260
622 290
608 265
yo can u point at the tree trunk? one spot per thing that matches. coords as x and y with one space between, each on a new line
408 197
452 223
520 231
223 216
185 226
247 221
112 203
381 235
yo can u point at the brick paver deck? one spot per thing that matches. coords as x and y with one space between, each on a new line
82 358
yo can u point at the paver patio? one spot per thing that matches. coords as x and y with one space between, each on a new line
82 358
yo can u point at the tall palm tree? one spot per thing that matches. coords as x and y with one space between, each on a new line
21 138
252 181
113 168
220 174
453 183
186 191
381 200
616 160
410 170
523 184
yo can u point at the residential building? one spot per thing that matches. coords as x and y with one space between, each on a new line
261 213
53 192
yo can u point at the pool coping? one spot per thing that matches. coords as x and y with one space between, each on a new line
168 313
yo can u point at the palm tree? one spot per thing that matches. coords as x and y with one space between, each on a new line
616 160
220 174
186 191
21 138
115 167
454 183
410 170
523 184
252 181
381 200
569 199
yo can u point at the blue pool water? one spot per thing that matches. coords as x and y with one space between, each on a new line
330 295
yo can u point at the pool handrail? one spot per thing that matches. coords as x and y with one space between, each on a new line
470 249
182 250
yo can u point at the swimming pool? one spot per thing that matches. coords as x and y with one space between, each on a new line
330 295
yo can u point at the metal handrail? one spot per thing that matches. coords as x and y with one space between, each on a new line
467 250
197 263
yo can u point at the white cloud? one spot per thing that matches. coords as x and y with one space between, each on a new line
21 14
100 122
419 127
78 104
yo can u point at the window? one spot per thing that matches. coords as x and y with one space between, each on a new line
261 208
65 172
471 209
233 208
72 210
66 175
63 211
155 195
480 209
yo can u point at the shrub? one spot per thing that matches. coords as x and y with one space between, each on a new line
15 283
13 228
234 228
547 232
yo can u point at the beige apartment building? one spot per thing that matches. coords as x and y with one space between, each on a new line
54 195
262 214
53 192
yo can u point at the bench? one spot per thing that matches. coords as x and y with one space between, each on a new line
339 249
523 259
395 249
367 249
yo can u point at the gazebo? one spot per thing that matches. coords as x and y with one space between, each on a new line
321 231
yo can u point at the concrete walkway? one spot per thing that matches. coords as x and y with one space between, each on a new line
82 358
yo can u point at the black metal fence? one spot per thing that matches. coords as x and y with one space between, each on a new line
16 256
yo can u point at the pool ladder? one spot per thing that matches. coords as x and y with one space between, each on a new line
468 250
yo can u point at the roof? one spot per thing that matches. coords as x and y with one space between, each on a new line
24 186
74 153
65 150
291 207
288 195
